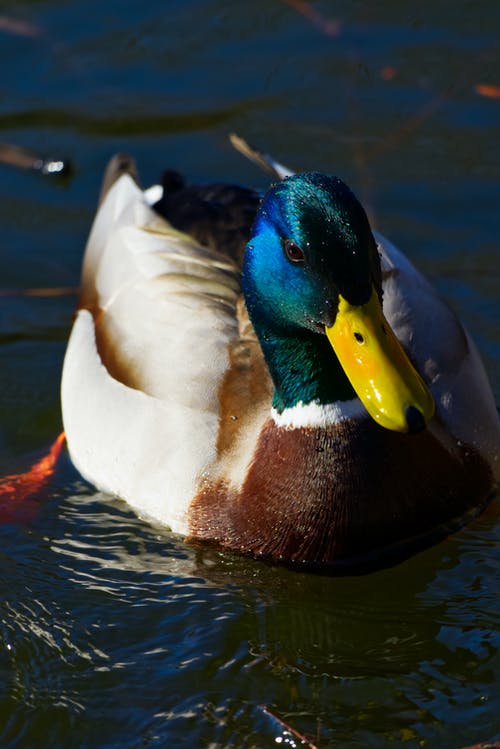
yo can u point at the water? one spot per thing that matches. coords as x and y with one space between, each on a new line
114 632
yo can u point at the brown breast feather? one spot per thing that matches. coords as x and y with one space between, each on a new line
342 495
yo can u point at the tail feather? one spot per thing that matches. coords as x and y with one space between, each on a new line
120 164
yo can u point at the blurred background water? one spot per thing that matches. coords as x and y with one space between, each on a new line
114 632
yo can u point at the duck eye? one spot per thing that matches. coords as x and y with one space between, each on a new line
293 251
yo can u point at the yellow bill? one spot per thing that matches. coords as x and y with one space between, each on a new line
378 368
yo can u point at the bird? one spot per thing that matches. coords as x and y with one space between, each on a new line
268 374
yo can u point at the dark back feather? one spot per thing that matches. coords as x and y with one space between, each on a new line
218 216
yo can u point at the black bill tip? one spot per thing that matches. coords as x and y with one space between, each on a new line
415 420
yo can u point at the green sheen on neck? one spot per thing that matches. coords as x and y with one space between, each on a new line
304 369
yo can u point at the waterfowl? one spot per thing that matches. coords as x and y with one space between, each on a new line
273 376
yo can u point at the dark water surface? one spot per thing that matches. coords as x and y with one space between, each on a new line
115 633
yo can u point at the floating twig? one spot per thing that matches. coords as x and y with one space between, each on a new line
18 27
22 158
54 291
263 160
292 731
328 26
488 90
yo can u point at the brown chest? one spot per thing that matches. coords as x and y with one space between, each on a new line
341 495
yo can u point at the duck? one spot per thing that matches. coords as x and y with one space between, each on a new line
270 375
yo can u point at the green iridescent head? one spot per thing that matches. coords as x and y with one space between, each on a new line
310 242
312 280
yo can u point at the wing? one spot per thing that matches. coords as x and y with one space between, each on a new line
147 355
444 353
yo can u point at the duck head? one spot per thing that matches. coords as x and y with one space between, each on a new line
313 287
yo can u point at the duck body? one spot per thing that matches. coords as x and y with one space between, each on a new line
228 416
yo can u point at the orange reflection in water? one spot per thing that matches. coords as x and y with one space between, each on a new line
18 490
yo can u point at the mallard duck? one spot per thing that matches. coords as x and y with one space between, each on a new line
272 376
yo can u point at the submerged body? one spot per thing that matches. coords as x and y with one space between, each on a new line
249 433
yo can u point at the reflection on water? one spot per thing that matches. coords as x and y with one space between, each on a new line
112 627
113 632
